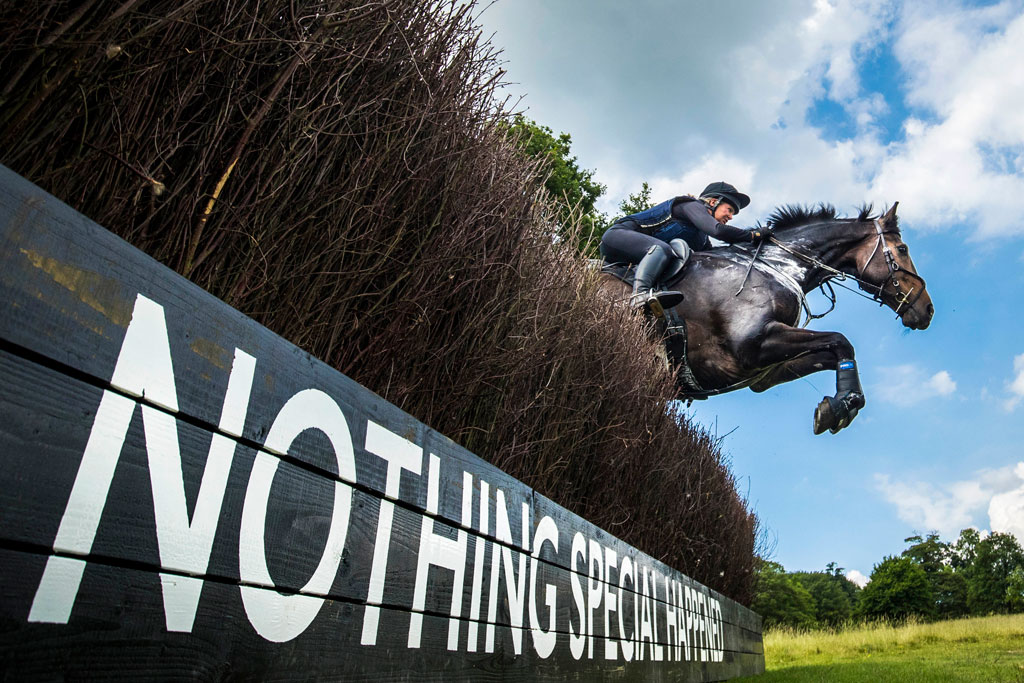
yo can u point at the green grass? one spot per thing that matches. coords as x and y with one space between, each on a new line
985 649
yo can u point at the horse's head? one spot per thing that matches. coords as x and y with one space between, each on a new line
886 270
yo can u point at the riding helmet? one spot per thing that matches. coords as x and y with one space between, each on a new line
726 192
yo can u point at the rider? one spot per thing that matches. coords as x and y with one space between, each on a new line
642 238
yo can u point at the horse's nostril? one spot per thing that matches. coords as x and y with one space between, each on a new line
931 309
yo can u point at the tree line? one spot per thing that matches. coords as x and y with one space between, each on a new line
572 189
930 580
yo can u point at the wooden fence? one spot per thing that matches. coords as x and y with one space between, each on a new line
185 495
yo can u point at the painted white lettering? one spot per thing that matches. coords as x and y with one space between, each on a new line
440 551
626 641
646 629
637 592
656 647
708 627
595 570
716 629
279 617
400 454
691 621
577 639
610 605
702 624
515 589
681 621
144 369
478 568
187 546
671 620
543 641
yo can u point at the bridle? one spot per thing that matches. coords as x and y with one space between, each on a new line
900 297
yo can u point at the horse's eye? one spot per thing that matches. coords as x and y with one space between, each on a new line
903 249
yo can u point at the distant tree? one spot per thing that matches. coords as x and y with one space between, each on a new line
1015 590
780 599
898 589
573 189
948 587
988 578
929 553
635 203
961 553
950 590
832 605
851 589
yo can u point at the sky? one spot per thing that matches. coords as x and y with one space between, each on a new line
844 102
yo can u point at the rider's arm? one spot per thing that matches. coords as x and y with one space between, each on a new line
697 214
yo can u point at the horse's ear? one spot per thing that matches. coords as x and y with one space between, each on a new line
890 216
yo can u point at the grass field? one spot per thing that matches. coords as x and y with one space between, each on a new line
980 649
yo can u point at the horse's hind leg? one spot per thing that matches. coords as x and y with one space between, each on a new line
800 352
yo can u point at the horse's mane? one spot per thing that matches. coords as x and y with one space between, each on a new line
792 215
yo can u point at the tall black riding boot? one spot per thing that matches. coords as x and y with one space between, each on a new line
648 272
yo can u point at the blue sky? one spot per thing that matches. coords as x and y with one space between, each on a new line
846 102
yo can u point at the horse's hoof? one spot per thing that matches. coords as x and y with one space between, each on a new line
824 416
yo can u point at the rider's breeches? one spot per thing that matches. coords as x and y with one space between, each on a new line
622 245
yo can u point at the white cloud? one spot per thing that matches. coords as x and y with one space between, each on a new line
965 69
941 384
741 110
1006 510
1016 385
710 168
922 505
948 508
857 578
907 385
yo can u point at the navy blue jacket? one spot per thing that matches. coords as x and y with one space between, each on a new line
684 218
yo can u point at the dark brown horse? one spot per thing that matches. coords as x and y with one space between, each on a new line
739 325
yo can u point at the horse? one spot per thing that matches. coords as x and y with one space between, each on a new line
738 325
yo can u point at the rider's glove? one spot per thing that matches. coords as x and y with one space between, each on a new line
761 234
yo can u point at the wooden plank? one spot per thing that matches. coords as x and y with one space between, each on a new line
38 457
733 613
118 632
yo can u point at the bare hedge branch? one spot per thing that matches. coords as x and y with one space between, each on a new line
336 170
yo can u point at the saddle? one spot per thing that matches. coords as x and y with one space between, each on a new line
625 271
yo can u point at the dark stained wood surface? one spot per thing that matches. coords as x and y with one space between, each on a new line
137 409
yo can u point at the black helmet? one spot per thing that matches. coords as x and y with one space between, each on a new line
727 192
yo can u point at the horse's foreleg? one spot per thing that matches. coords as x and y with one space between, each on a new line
795 368
835 412
798 352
